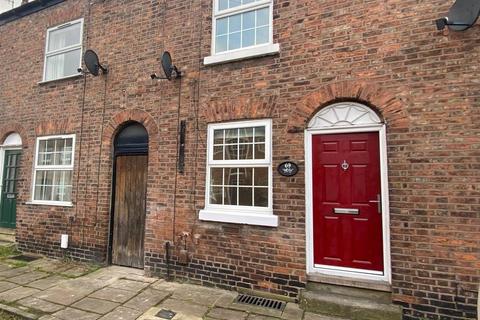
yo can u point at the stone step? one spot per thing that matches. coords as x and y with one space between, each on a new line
7 235
349 303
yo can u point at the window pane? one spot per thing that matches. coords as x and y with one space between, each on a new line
261 177
248 38
216 176
245 151
218 137
231 152
234 3
245 176
263 18
231 136
248 20
221 44
65 37
261 197
222 26
216 195
262 35
245 135
260 151
259 134
235 23
50 145
231 176
230 196
218 153
222 4
63 65
245 196
234 41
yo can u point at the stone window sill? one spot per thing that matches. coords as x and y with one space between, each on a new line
240 217
259 51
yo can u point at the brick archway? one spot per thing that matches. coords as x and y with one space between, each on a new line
140 116
389 106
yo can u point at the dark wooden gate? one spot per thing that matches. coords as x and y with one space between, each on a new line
130 190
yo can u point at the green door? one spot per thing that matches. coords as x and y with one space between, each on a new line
8 203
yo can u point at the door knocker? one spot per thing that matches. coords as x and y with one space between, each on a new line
345 165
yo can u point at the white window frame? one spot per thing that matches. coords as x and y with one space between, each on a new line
63 50
37 167
262 216
241 53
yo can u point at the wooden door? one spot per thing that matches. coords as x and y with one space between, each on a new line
346 201
129 210
8 206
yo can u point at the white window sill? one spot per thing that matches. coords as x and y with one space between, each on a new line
251 218
264 50
78 75
48 203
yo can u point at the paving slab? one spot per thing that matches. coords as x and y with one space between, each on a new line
314 316
199 295
75 271
14 272
140 278
113 294
95 305
75 314
292 312
129 285
39 304
28 277
183 311
146 299
260 317
46 283
168 286
4 286
64 296
122 313
226 299
256 310
17 294
227 314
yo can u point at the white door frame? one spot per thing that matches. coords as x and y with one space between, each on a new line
373 126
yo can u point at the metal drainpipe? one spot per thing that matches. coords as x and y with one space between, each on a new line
167 256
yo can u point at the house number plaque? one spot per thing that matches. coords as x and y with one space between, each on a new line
288 169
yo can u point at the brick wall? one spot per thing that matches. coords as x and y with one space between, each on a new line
386 54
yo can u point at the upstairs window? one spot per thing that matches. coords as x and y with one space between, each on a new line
241 29
63 52
242 23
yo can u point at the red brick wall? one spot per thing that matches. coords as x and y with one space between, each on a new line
386 54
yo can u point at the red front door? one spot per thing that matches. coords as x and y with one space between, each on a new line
346 213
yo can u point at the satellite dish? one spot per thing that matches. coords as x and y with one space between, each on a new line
461 16
92 63
170 70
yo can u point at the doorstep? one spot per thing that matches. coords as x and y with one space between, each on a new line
349 302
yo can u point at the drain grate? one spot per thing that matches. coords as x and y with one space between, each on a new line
260 302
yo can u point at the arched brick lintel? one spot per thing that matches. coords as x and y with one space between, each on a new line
140 116
239 108
384 101
14 128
